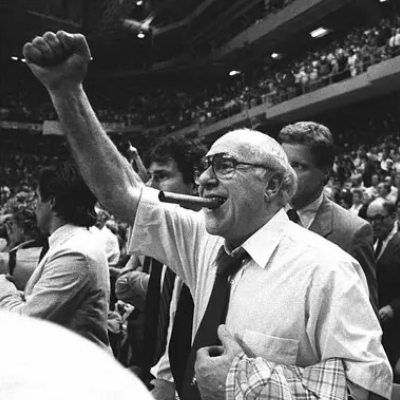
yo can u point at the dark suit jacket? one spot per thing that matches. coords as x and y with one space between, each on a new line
353 235
388 275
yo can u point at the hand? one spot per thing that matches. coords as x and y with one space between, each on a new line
386 313
163 389
213 364
59 60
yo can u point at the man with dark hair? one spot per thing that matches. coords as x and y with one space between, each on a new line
311 150
382 216
70 286
173 167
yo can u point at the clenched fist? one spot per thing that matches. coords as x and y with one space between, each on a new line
59 60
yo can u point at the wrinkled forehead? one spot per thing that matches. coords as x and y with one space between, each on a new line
248 145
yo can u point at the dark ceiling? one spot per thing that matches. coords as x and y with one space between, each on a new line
177 27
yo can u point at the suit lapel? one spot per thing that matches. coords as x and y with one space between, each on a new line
322 223
391 248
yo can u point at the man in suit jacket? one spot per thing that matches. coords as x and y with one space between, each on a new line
70 286
173 168
382 215
310 149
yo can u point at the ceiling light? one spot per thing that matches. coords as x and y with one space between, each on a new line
141 35
319 32
234 72
276 56
23 60
139 2
14 58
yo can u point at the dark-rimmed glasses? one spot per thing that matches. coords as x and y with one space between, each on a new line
223 165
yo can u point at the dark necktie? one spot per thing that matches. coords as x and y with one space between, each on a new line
163 314
44 250
152 308
181 337
214 315
156 315
293 216
378 248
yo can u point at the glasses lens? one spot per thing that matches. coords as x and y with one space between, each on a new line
223 165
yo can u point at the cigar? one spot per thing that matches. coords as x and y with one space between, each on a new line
187 201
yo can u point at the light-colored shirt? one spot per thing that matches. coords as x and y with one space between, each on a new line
70 286
294 277
307 214
355 208
110 243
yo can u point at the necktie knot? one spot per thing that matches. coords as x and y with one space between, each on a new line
293 215
228 264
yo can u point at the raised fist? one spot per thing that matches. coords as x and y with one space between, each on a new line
59 60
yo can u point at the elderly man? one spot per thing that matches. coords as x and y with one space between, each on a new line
289 330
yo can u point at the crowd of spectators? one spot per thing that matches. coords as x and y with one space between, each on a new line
273 83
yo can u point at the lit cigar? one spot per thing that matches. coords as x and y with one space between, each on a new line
188 201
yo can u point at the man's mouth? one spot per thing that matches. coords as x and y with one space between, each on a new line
219 200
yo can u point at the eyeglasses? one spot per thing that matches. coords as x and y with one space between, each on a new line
224 165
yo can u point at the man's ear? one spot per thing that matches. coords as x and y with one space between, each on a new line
273 187
194 190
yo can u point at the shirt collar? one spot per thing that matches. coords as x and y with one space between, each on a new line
60 233
263 242
308 213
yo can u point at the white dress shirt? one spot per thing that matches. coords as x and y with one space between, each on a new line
289 304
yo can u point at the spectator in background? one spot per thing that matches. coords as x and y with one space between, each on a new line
25 244
357 204
372 192
393 195
173 168
110 240
384 190
382 215
310 149
71 285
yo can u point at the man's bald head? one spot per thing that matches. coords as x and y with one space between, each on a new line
257 147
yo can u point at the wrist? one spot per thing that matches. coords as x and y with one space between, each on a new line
66 90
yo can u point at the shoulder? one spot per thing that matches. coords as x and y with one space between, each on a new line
81 244
346 221
314 250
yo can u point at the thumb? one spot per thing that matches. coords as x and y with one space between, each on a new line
228 341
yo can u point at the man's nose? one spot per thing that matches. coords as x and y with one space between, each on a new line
207 177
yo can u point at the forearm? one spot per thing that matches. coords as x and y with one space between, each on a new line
105 170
